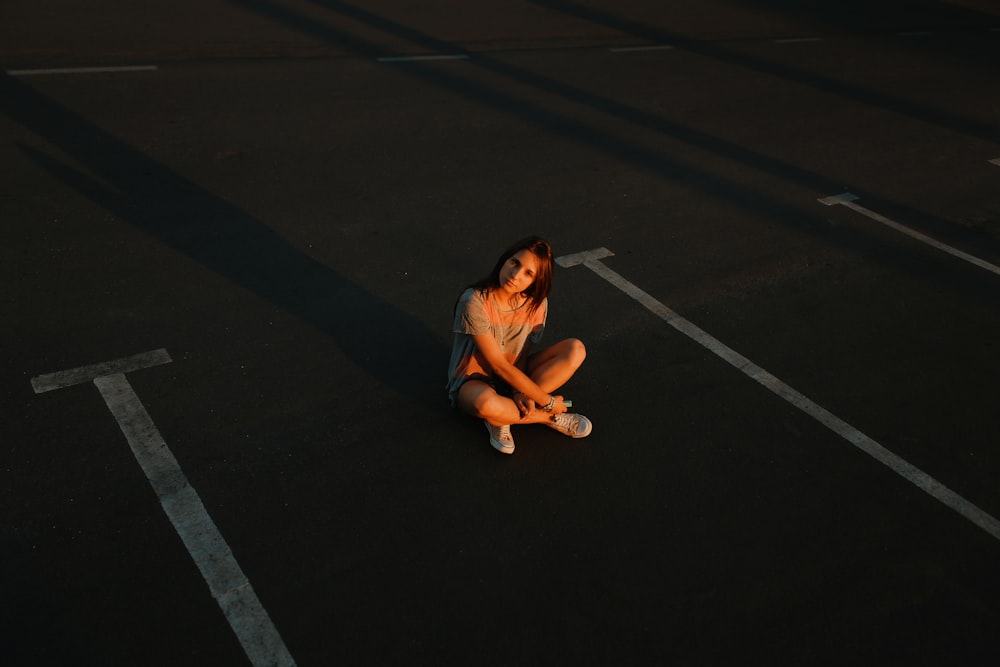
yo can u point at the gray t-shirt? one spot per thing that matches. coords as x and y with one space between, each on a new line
477 312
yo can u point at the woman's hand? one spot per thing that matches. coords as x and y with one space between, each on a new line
524 404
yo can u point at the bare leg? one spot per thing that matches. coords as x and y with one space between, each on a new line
549 368
553 366
481 400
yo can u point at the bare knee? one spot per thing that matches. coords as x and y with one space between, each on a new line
480 402
484 406
576 351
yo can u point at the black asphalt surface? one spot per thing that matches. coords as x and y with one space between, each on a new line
291 217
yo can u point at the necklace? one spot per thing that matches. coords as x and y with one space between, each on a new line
516 308
505 326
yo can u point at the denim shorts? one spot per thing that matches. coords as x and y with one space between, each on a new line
498 385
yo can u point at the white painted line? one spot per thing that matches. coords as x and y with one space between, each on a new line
567 261
995 161
82 70
633 49
847 199
405 59
226 581
136 362
915 476
798 40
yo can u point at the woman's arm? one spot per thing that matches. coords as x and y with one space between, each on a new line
507 371
524 403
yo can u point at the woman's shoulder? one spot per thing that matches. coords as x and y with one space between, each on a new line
472 298
473 294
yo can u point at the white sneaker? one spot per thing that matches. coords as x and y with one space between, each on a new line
573 425
500 438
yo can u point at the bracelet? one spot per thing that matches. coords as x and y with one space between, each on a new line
552 404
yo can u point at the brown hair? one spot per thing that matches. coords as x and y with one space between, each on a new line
540 287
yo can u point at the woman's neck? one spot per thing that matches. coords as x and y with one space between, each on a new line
510 300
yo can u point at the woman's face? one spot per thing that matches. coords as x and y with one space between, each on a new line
518 272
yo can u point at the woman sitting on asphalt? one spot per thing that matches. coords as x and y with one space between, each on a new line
494 374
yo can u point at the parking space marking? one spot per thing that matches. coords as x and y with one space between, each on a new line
215 560
82 70
847 199
51 381
407 59
592 260
633 49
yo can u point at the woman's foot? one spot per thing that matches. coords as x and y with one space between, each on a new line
571 424
500 438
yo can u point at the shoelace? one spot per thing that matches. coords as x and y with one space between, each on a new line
566 420
504 433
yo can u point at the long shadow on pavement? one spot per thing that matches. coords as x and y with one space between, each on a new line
573 129
382 339
848 90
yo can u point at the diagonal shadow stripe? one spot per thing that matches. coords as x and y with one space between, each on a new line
574 129
867 96
558 124
377 336
559 89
